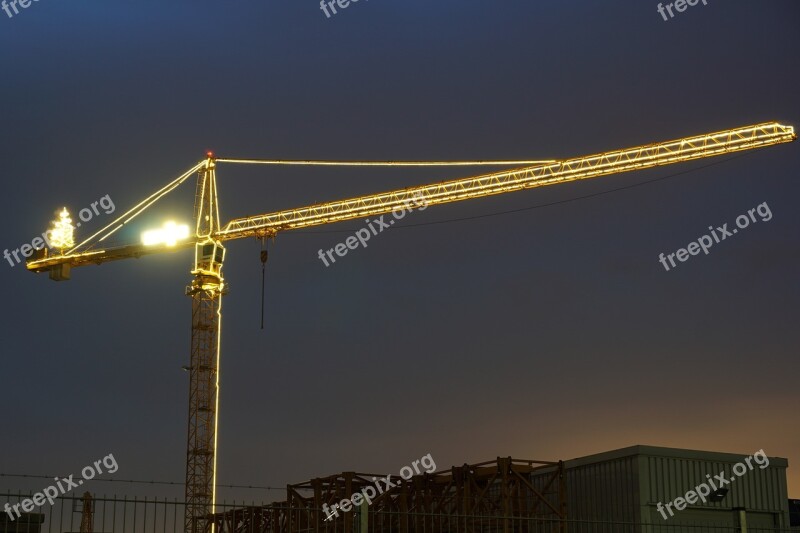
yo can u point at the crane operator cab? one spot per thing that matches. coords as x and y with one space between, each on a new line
208 258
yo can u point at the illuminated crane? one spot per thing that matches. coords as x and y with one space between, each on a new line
208 286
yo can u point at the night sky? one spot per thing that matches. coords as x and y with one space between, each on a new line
547 333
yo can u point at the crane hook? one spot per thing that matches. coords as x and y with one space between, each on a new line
264 257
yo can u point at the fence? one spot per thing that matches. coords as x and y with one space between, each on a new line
102 514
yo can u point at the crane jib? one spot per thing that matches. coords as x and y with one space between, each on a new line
638 158
545 173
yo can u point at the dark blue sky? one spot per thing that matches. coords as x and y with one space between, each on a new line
545 334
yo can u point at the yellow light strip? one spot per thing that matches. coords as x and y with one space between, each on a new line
648 156
96 257
216 408
311 162
138 208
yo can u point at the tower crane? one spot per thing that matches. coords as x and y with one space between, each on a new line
208 286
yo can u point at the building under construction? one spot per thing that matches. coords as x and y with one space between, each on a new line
483 497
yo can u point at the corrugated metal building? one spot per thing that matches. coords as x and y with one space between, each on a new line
627 485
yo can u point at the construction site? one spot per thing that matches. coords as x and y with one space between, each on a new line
616 491
506 494
549 249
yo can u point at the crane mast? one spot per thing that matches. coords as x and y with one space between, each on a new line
206 291
208 286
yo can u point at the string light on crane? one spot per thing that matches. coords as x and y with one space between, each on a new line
61 235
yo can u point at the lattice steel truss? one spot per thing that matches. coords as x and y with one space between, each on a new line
206 292
497 496
617 161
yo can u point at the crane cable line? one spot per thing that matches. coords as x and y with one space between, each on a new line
136 210
171 186
530 208
324 163
512 211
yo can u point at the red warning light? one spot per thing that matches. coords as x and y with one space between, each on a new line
210 154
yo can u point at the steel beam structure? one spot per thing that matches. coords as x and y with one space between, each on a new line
206 291
579 168
495 496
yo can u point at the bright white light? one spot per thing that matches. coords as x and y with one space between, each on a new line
170 234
